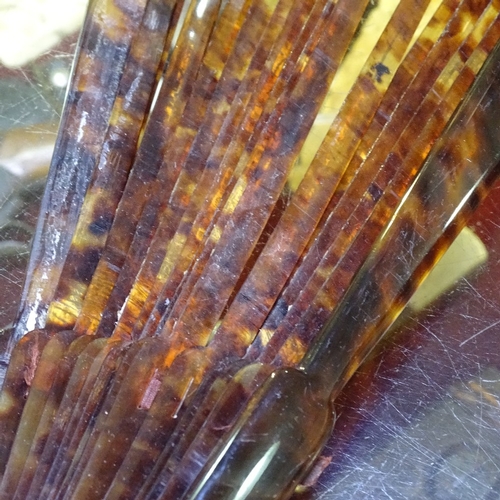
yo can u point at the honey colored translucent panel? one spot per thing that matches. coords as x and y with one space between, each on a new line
306 206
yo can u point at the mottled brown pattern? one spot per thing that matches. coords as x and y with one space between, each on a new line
46 393
269 77
215 86
308 203
70 409
348 250
122 413
143 184
194 254
257 189
128 115
321 239
103 49
346 219
17 383
465 159
291 407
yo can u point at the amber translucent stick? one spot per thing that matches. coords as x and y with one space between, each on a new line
291 409
134 95
101 55
183 467
69 409
235 34
321 240
101 384
288 240
18 379
417 106
264 82
259 187
348 250
142 182
45 375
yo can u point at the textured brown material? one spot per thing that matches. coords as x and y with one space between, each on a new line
207 263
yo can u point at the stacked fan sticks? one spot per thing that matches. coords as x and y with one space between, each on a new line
195 300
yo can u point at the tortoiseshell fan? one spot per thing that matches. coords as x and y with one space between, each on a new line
212 263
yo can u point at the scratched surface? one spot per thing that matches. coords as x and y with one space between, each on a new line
420 419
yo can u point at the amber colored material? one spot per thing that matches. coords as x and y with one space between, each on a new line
206 398
295 419
16 386
102 53
106 372
142 182
249 205
71 410
454 179
291 408
221 291
121 415
47 389
212 93
186 367
240 130
397 171
306 206
380 181
324 234
134 94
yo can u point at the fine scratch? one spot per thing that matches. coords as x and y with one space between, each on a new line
485 329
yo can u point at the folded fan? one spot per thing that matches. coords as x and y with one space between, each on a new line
195 254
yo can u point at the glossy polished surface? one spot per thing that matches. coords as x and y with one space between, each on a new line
145 358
